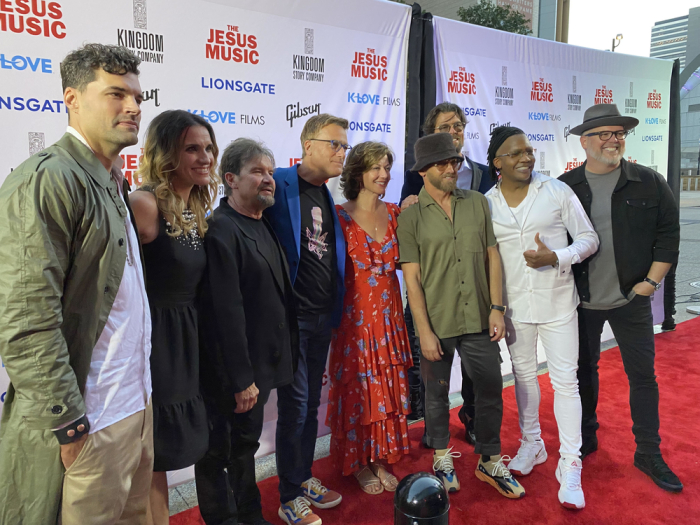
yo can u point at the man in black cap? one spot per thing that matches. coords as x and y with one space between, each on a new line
636 218
446 117
453 274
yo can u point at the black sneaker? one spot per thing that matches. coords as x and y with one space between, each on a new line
589 446
468 423
654 466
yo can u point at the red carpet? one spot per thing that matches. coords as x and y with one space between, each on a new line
616 492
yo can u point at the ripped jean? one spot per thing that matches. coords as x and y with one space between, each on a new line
480 358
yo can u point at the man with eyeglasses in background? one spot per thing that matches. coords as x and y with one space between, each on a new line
308 229
450 261
636 218
443 118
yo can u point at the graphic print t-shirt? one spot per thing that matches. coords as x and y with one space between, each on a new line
315 282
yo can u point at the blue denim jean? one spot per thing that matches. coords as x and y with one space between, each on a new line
297 406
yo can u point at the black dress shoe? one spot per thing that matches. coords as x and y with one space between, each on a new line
468 423
654 466
589 446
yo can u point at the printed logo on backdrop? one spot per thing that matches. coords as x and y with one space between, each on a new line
25 63
147 46
538 115
494 125
567 132
461 82
631 103
151 94
542 91
232 45
474 112
230 84
215 116
140 14
573 99
32 104
504 94
631 160
652 138
37 142
651 160
369 65
371 127
542 165
471 135
253 120
130 164
295 111
654 100
36 18
575 163
307 67
655 121
372 99
540 137
603 95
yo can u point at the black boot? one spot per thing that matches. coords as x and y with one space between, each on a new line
416 404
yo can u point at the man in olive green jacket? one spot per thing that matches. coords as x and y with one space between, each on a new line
66 250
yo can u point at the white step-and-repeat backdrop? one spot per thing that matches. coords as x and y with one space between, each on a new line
260 69
257 69
543 88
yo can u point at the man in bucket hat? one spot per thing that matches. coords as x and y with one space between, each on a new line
636 218
446 242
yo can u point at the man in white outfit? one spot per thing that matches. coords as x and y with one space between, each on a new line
534 216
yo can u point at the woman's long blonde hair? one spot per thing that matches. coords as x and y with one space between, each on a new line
161 157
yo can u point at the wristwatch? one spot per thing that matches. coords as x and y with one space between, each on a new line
501 309
653 283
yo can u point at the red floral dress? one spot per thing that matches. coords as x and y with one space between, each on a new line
370 354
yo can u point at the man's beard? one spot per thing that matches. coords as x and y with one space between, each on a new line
607 159
447 185
266 200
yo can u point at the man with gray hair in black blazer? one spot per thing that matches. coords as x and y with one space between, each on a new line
249 327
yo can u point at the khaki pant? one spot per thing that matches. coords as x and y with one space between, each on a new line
109 481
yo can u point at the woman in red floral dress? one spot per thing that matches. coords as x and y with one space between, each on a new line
370 354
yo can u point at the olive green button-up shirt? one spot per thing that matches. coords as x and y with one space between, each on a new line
453 259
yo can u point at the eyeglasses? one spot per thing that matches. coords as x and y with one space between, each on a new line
605 135
517 155
335 144
445 128
442 165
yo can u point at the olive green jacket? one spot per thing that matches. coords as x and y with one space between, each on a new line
62 256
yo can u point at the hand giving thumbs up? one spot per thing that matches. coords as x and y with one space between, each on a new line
542 257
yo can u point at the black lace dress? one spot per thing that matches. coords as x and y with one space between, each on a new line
174 268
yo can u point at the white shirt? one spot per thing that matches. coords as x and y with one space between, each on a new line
465 176
551 208
119 381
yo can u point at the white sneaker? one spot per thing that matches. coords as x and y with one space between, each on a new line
531 453
569 476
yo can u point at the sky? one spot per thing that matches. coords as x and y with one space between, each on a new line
594 23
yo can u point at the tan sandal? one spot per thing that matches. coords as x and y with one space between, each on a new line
369 483
386 478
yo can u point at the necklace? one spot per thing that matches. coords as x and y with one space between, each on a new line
191 239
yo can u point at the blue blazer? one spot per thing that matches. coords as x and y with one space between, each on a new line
285 218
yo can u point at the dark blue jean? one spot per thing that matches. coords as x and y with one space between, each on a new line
297 406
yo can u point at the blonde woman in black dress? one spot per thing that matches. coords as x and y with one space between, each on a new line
179 183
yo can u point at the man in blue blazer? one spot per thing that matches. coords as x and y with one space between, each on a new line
444 118
307 226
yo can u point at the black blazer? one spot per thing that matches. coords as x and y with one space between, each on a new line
644 222
247 315
481 180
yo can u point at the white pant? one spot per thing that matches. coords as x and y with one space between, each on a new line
560 341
